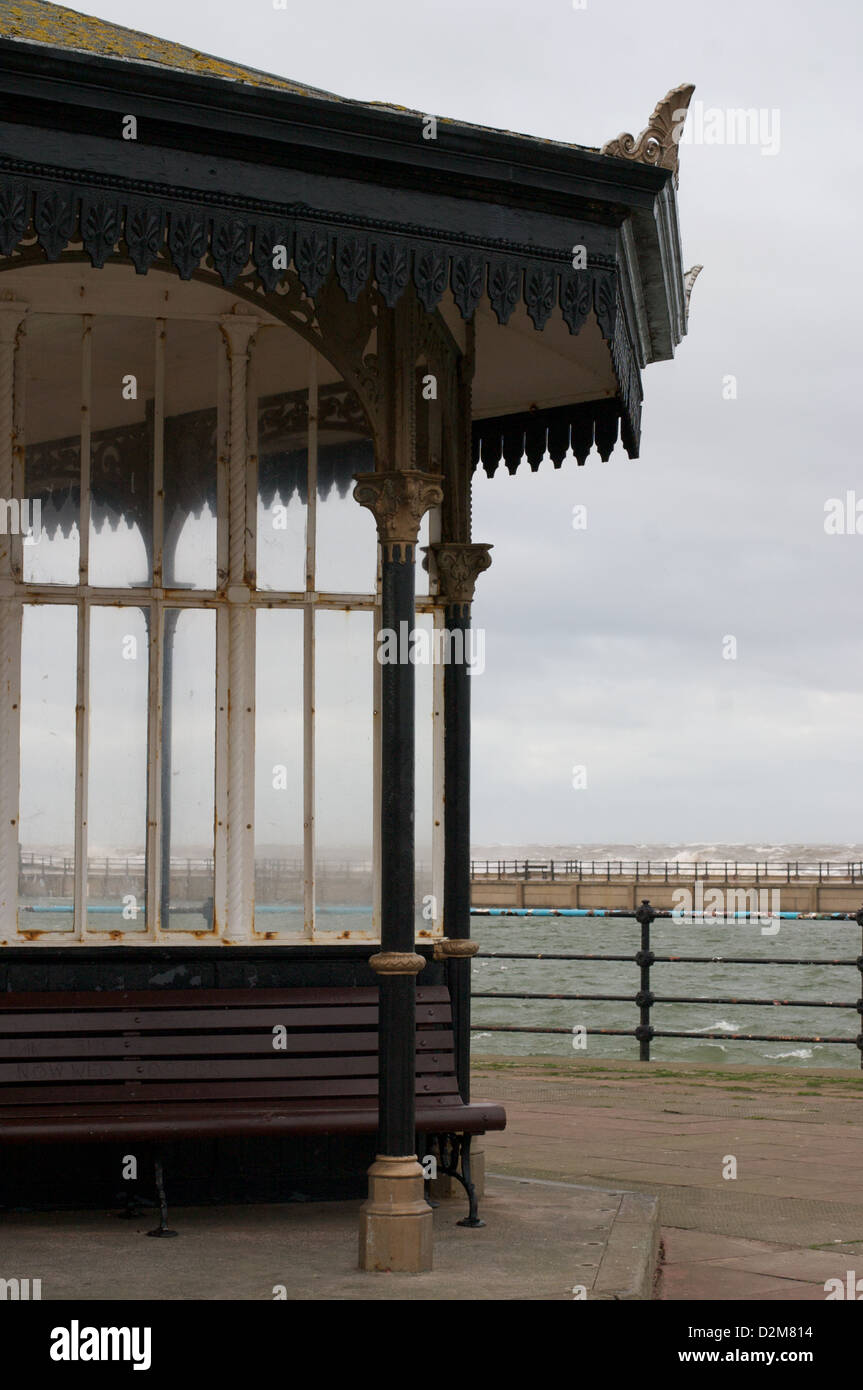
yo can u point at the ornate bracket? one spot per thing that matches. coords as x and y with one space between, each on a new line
657 143
398 502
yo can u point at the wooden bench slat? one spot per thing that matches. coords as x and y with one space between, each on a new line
45 1000
21 1024
192 1068
212 1090
156 1045
441 1116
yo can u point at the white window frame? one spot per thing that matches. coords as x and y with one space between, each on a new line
82 292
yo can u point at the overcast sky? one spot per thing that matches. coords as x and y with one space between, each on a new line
604 647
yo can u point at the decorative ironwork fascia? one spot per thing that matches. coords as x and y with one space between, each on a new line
113 217
508 439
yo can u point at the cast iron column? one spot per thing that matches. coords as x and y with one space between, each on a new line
395 1228
458 565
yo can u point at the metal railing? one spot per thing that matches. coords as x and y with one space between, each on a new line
645 999
668 871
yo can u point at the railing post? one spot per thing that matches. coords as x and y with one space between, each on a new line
859 1038
644 999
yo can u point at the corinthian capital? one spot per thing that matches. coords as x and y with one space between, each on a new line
398 501
459 565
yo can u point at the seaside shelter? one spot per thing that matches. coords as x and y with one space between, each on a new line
255 339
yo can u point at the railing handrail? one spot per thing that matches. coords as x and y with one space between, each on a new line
646 999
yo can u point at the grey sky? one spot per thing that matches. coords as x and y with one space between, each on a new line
604 646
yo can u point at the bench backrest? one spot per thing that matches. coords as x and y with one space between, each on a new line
211 1045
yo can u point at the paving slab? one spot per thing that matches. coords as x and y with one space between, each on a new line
666 1131
541 1241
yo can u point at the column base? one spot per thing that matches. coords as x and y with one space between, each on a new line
396 1221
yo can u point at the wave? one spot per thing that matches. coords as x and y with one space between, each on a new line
721 1027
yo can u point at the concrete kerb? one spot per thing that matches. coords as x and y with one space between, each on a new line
630 1262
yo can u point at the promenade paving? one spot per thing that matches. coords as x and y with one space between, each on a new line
597 1156
791 1219
541 1241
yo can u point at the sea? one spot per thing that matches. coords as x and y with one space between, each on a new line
809 986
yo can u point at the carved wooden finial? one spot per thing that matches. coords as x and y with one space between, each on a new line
689 280
657 143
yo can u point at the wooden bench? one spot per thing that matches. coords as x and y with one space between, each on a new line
181 1064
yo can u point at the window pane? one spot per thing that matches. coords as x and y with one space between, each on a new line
52 432
191 391
280 377
189 769
121 452
47 824
346 546
421 573
117 784
343 772
279 772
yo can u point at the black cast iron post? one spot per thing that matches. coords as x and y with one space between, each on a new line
398 501
458 566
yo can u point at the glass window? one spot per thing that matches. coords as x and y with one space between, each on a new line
344 808
47 800
117 775
191 449
279 851
187 793
121 452
52 434
280 377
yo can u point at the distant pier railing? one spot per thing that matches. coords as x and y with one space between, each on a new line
668 870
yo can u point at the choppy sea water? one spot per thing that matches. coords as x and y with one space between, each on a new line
768 979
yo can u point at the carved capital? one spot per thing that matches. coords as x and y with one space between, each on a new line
397 963
657 143
455 948
398 501
459 565
239 330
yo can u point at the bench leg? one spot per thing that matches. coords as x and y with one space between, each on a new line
459 1157
163 1202
133 1209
